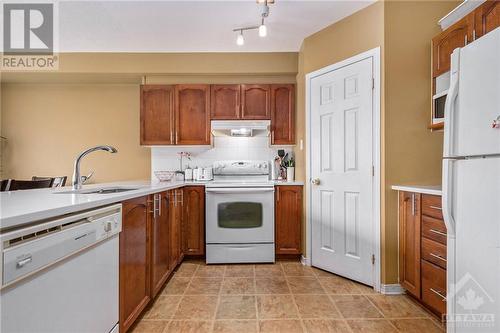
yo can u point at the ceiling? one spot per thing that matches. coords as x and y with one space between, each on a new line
192 26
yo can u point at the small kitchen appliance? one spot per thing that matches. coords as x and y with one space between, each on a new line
204 174
240 213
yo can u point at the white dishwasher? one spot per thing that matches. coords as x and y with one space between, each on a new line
62 275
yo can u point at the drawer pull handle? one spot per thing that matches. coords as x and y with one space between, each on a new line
435 207
438 293
438 232
24 261
437 256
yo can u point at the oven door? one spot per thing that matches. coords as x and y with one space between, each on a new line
239 215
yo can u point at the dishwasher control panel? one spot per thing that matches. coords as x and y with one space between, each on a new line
29 250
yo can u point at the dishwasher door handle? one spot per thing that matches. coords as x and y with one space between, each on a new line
24 261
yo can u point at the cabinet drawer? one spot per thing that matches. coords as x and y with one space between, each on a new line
434 229
434 252
434 287
431 206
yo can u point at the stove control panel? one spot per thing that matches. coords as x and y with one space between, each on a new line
247 167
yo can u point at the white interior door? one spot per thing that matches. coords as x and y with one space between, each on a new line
341 171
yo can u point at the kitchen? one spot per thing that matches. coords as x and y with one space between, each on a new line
223 115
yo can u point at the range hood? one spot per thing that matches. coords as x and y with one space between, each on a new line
240 128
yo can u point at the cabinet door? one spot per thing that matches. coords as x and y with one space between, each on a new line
487 17
160 252
175 227
409 242
225 101
194 220
458 35
255 101
288 219
282 114
192 114
134 261
157 115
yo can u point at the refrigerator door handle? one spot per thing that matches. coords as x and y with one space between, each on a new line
447 196
448 105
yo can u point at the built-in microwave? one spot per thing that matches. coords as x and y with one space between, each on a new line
438 100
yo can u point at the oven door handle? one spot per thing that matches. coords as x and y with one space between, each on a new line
238 190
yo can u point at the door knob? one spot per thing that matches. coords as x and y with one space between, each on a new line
315 181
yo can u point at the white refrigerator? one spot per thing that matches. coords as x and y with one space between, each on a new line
471 187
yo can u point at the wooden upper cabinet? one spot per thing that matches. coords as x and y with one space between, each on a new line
282 114
134 261
409 242
160 254
288 219
487 17
157 114
458 35
255 101
193 236
225 101
192 114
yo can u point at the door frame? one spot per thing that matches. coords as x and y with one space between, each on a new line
376 203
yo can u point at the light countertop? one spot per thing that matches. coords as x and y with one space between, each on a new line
424 189
24 207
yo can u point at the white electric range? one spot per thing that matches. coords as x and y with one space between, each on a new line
240 213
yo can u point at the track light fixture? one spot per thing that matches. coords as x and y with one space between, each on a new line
240 40
262 28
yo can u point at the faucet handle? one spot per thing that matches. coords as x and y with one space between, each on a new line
87 177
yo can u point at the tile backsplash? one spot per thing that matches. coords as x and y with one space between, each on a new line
224 148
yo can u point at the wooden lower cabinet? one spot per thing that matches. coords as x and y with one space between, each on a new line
422 249
288 219
409 242
193 222
160 241
150 250
135 292
176 207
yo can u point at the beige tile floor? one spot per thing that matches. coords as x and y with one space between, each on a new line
285 297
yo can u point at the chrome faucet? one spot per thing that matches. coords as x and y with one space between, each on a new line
77 179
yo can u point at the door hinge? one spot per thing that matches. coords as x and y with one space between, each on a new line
373 171
373 259
373 83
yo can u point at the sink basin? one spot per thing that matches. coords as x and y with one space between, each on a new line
104 190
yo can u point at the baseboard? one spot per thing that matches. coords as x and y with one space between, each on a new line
391 289
305 261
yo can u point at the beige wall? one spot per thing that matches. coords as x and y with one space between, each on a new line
48 124
49 117
410 152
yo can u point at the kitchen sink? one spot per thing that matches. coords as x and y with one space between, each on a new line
104 190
